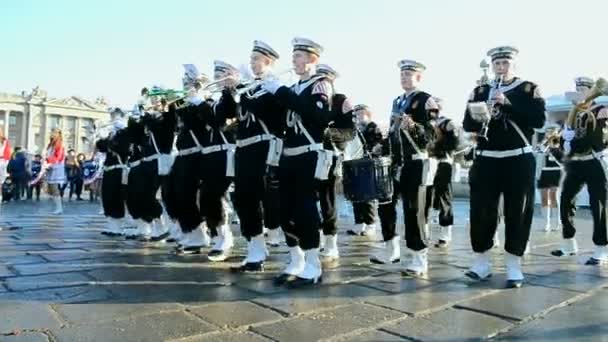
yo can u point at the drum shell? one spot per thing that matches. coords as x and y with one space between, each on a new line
367 179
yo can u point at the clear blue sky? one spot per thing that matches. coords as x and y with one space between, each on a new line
112 48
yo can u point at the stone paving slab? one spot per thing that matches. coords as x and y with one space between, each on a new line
72 294
449 325
585 321
230 315
374 336
325 324
46 281
95 313
517 304
153 327
23 316
226 337
25 337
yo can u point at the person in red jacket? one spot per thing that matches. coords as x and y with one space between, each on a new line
5 157
55 165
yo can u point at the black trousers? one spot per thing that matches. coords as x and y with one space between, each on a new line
33 189
591 173
272 199
252 203
364 212
387 212
299 214
76 187
141 192
415 209
214 190
169 195
327 199
113 194
20 187
513 178
442 194
184 187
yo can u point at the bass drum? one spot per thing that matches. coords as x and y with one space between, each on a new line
367 179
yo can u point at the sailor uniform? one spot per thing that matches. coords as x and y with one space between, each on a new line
504 165
184 179
115 176
586 165
442 150
137 181
260 126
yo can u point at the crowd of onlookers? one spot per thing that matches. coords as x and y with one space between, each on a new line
23 169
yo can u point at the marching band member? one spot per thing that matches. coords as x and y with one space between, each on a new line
550 176
504 164
5 157
364 212
414 110
217 166
183 182
342 111
55 163
115 175
303 163
583 143
443 149
137 182
259 129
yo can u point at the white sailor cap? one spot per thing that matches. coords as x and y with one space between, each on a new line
439 102
584 81
506 52
328 71
304 44
116 111
265 49
225 67
360 107
408 64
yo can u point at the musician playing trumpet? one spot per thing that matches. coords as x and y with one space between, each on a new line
584 143
503 165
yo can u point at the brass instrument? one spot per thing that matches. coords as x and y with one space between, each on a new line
600 88
218 86
252 85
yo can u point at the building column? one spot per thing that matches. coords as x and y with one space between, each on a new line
7 114
77 143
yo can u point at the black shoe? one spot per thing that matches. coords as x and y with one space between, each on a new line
353 233
476 276
144 238
283 279
250 267
188 250
377 261
132 237
160 237
593 262
412 273
514 284
171 240
302 282
560 253
442 244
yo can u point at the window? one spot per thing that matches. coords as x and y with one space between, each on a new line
15 123
69 135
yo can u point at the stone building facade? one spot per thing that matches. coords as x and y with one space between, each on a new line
28 118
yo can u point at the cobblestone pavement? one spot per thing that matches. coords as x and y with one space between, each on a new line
60 280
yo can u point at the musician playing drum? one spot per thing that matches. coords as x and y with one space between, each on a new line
364 211
504 164
413 112
584 143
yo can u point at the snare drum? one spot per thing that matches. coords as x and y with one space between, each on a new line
367 179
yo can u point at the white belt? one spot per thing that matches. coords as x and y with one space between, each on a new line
447 160
135 163
254 140
583 158
295 151
189 151
152 157
217 148
114 167
420 156
552 168
505 154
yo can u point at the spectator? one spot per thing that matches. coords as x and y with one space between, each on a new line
76 180
18 172
35 169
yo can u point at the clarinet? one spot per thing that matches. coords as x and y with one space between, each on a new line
494 109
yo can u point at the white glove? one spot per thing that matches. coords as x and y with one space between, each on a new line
567 147
271 85
568 134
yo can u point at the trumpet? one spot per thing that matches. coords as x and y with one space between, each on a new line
552 140
255 83
600 88
218 86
